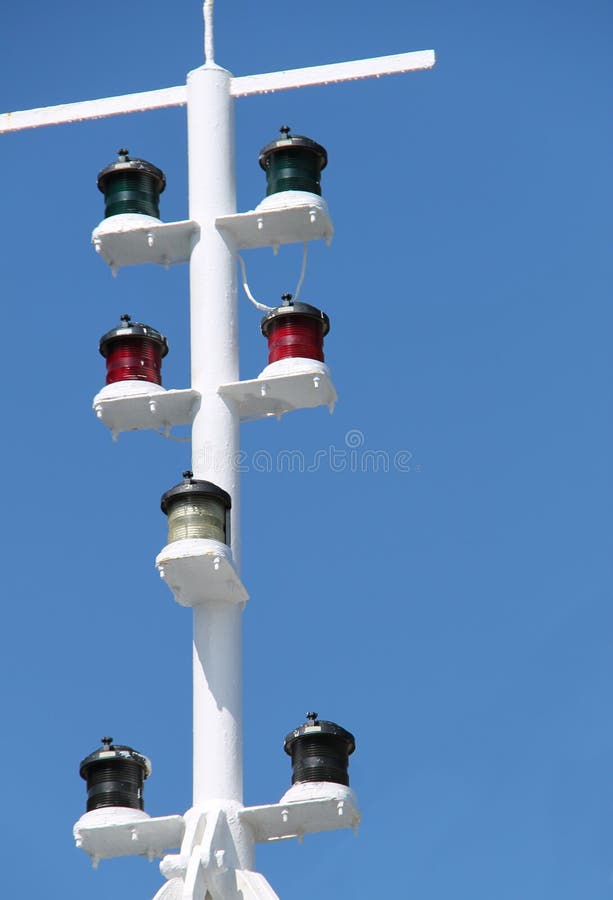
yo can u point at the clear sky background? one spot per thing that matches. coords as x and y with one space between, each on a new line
456 617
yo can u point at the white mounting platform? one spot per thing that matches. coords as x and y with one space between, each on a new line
198 570
212 841
284 223
272 394
280 821
131 835
134 406
131 243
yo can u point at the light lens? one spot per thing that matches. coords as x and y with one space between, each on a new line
197 517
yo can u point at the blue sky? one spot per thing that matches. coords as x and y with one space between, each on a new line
455 617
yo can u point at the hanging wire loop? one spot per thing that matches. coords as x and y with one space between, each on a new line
247 290
260 306
305 253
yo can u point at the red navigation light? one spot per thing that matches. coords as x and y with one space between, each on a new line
133 352
295 330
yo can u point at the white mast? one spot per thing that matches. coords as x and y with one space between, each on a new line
214 358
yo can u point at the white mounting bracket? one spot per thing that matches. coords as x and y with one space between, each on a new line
126 240
121 242
308 386
107 833
210 861
198 570
213 841
150 406
335 808
285 223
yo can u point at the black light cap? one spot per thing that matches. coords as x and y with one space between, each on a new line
290 307
125 164
193 487
292 142
115 775
320 751
128 329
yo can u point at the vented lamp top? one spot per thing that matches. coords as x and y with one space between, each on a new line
125 164
130 329
110 751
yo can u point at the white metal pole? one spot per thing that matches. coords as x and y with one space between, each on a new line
215 434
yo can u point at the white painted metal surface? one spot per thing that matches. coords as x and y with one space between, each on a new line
131 833
172 890
148 406
83 110
305 809
217 654
212 857
128 241
253 886
280 821
276 395
285 199
294 365
130 388
319 790
347 71
199 571
279 222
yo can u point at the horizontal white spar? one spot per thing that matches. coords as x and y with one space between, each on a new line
242 86
335 72
83 110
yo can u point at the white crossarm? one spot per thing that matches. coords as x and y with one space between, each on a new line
92 109
240 87
346 71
